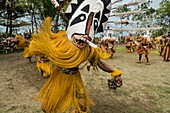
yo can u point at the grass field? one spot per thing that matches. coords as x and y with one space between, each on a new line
146 88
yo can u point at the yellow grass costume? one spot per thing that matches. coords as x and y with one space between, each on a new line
161 45
103 52
166 51
142 46
44 67
23 45
62 91
129 41
27 53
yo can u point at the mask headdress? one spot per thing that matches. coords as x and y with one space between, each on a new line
105 15
74 4
86 17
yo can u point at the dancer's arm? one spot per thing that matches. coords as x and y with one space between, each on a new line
115 73
104 66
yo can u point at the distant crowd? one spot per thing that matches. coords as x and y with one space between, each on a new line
141 44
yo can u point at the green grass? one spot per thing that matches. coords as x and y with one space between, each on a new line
120 48
155 52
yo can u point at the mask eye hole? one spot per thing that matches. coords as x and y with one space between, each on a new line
95 25
96 21
78 19
82 18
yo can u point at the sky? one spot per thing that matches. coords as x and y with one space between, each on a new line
154 4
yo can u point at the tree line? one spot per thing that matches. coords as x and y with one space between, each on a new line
36 10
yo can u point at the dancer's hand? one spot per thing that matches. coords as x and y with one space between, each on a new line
115 82
118 81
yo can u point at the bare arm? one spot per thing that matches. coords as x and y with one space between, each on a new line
116 81
104 66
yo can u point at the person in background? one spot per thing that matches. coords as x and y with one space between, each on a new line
142 47
110 44
166 52
129 42
161 45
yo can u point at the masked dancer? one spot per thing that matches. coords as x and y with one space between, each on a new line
64 90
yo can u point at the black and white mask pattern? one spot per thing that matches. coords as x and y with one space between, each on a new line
86 17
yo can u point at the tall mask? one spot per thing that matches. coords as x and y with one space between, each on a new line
86 17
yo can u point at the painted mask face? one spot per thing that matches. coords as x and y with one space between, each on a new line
86 17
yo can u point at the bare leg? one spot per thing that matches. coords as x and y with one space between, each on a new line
147 60
140 57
